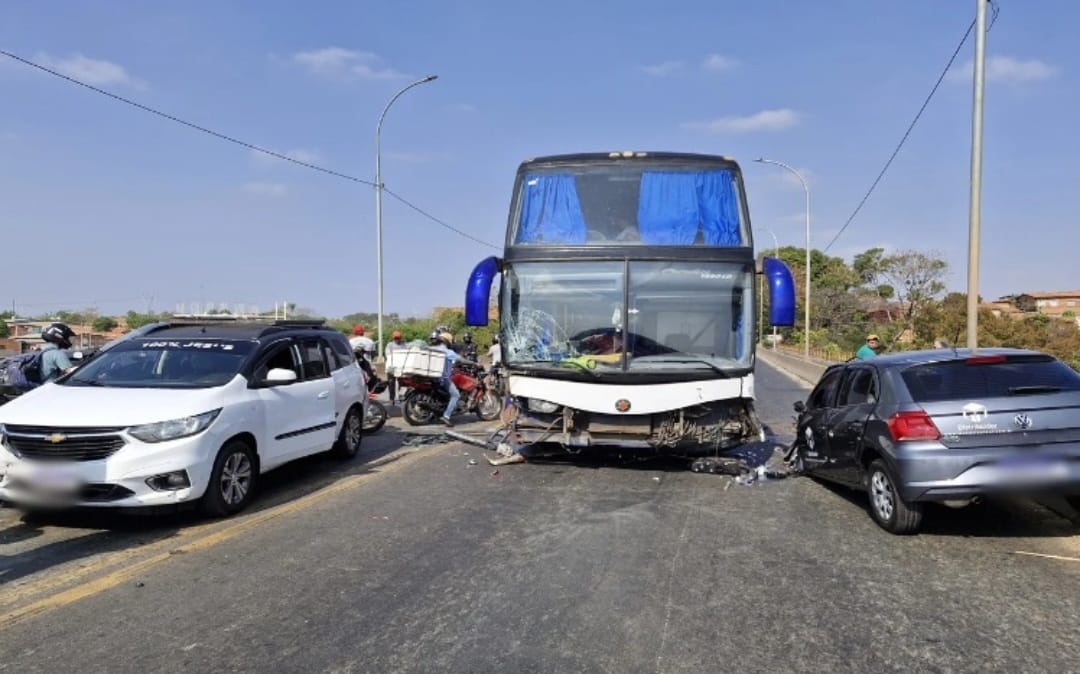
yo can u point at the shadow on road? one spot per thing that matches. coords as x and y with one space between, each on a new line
999 517
110 530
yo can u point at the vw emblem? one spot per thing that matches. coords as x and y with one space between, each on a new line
56 438
1022 421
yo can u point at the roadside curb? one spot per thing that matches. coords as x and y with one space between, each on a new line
803 373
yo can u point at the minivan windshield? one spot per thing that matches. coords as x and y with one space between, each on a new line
164 363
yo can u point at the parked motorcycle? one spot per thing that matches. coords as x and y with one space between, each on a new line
427 399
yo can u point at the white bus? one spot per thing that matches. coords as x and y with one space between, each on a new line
627 303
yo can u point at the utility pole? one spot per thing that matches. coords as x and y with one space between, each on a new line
975 214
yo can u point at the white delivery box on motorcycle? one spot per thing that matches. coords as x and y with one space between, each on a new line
417 362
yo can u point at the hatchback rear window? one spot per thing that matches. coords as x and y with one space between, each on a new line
1017 375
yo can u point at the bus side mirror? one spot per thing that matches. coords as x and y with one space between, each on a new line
478 292
781 292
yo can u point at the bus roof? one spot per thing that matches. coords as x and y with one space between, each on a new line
590 157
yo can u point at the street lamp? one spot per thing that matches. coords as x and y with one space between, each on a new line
975 197
806 328
378 205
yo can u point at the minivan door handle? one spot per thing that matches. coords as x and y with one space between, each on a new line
324 394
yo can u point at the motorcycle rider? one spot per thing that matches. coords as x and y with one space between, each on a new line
363 348
54 361
441 341
468 348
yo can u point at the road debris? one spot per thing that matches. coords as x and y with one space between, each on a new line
473 462
495 473
424 439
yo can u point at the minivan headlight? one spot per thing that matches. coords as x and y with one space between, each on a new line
174 428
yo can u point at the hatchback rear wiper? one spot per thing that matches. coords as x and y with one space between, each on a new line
1037 388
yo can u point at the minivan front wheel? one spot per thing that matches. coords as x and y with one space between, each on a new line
232 480
887 506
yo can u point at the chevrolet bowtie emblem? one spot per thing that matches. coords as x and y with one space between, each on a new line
56 438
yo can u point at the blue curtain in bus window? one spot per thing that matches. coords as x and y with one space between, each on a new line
668 208
550 211
719 209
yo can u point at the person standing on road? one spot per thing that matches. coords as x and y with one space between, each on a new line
869 350
441 341
495 352
395 343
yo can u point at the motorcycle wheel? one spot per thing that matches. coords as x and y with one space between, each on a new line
489 407
376 416
417 409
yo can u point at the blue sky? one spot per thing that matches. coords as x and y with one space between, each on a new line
103 205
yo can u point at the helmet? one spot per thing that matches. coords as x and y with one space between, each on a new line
58 334
435 337
446 338
467 338
358 330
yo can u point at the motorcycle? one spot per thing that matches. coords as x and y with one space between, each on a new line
376 415
376 412
427 399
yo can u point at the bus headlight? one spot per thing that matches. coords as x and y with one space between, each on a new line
543 406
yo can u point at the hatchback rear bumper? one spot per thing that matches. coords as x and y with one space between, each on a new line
939 474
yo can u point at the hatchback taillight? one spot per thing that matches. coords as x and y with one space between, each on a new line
906 426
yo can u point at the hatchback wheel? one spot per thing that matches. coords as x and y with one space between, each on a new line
1074 501
231 481
887 507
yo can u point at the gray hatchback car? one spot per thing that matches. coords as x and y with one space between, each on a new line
947 426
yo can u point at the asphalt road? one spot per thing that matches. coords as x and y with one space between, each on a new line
413 560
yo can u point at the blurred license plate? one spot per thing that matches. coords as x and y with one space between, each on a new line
58 479
1035 467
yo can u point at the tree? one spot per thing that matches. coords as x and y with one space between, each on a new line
134 319
5 331
104 324
917 278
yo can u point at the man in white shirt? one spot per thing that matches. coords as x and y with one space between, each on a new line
360 342
495 352
396 342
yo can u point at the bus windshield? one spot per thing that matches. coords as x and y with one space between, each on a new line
635 203
685 315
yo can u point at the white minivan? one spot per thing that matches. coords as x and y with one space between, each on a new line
183 413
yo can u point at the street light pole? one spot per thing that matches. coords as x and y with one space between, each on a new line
806 188
378 206
974 213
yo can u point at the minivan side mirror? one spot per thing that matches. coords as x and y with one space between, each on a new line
279 376
800 407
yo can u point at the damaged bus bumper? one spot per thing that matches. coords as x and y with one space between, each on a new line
681 418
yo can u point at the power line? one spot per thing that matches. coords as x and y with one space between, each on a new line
237 141
433 218
911 126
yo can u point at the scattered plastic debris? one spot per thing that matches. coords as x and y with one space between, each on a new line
495 473
656 478
424 439
473 462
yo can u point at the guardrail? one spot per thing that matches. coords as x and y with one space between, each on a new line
816 353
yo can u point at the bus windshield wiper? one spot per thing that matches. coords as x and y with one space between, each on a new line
701 361
1035 388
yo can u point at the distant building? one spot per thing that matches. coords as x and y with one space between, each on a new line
1063 304
24 335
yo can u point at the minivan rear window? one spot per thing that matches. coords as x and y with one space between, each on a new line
1017 375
